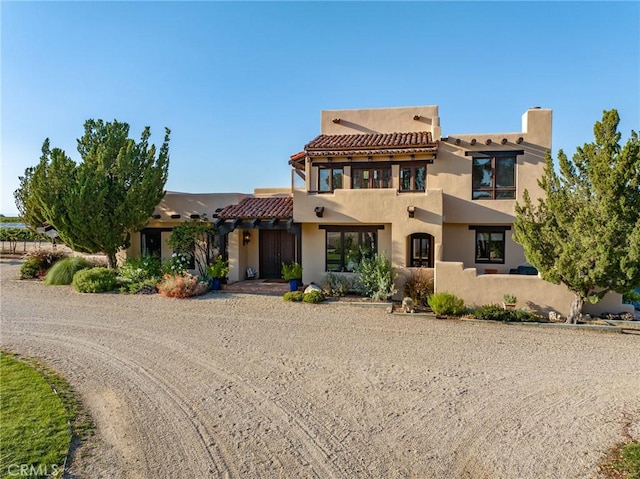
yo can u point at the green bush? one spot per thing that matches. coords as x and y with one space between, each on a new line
183 285
293 296
419 286
335 285
148 286
291 271
495 312
38 262
141 269
62 272
313 297
375 277
95 280
446 304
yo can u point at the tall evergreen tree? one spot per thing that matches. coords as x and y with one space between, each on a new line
97 204
585 232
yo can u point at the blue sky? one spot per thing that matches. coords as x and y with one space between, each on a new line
242 85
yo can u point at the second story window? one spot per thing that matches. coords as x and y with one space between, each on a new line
494 177
371 177
413 178
329 179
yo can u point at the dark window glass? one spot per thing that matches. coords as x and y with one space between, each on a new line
371 178
345 249
412 178
494 178
489 246
420 254
329 179
420 177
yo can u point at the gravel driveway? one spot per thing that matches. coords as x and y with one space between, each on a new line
246 386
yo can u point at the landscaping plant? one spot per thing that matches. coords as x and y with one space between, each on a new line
446 304
95 280
291 270
335 285
495 312
62 272
182 286
220 269
140 269
38 262
177 264
584 233
376 277
419 286
313 297
96 204
293 296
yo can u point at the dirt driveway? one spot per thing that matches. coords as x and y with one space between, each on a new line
252 387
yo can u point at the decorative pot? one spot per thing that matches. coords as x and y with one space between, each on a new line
215 284
293 285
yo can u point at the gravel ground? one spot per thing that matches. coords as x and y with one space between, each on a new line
246 386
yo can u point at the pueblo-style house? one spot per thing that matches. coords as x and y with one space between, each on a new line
387 180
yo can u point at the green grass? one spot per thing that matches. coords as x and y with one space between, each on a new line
630 460
35 434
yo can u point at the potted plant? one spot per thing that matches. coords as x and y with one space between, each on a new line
509 301
218 271
292 272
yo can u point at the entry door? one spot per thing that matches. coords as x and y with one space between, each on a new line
276 247
151 243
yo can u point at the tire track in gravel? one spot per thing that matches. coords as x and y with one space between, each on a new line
150 385
320 449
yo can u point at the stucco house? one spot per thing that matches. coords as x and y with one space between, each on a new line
387 180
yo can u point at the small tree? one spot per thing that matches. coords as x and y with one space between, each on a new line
97 204
585 233
195 238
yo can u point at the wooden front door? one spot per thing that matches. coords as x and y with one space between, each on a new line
276 247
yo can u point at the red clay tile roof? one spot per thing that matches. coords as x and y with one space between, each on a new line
371 144
273 207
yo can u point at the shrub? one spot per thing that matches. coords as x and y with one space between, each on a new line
293 296
95 280
313 297
376 277
148 286
419 286
291 271
62 272
141 269
495 312
38 262
220 269
177 264
446 304
335 285
182 286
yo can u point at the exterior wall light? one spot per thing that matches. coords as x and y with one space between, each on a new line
319 210
246 237
411 210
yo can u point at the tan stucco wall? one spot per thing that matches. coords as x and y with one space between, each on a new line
532 291
381 120
459 245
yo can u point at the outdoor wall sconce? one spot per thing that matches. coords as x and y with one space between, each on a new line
504 141
417 117
519 140
319 210
488 142
472 142
175 217
412 211
336 120
246 237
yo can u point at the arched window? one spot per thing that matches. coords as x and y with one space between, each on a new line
420 250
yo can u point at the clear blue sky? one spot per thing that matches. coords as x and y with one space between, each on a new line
242 85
